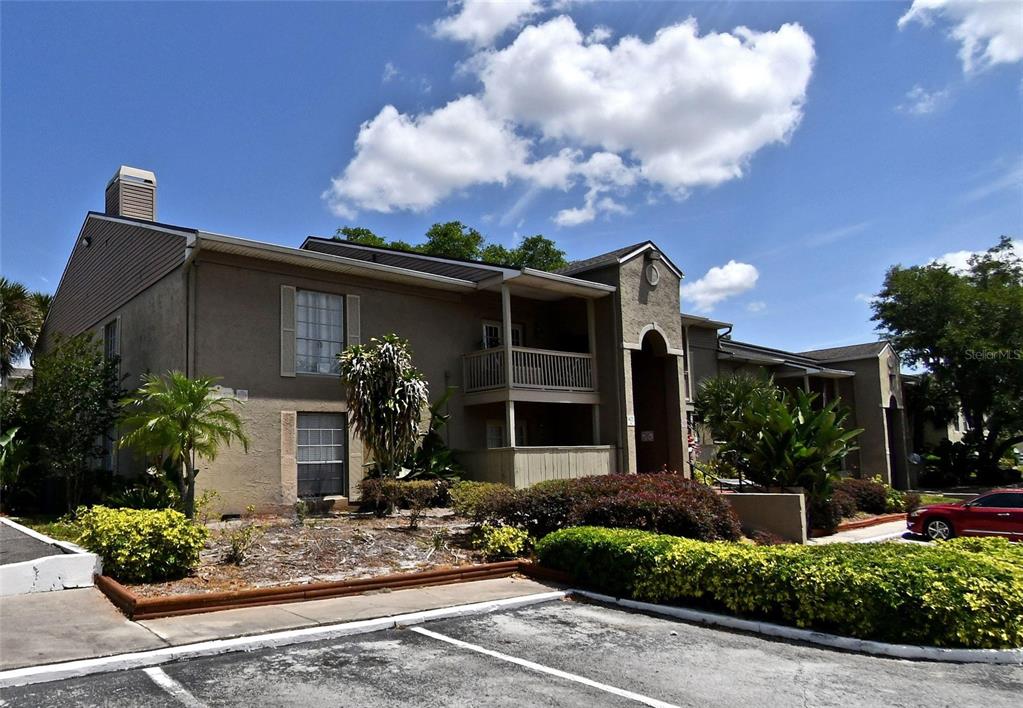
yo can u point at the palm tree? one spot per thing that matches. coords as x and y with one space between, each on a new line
178 418
20 321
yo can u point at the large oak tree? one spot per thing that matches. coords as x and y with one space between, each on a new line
965 328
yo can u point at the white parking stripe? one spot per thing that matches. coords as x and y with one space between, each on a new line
646 700
161 679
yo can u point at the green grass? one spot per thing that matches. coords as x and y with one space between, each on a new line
926 499
59 528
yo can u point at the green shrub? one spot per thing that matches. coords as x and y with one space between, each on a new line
845 501
871 495
142 545
240 541
668 503
965 593
498 542
482 502
382 495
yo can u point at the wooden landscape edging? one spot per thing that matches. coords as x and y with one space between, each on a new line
139 608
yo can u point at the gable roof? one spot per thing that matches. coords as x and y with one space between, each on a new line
618 256
867 350
113 259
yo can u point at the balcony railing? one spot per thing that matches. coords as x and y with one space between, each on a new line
542 369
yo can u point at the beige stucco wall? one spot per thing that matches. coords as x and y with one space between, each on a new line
637 308
237 337
781 514
147 344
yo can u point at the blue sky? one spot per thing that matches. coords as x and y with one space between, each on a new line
814 151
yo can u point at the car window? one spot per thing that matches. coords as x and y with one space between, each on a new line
1000 500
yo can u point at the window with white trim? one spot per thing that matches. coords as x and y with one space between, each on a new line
321 454
492 334
319 332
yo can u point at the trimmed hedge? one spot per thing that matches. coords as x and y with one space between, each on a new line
656 502
142 545
963 593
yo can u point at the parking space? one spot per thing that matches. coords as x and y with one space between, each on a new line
557 654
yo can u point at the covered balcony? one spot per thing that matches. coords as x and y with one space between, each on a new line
539 369
504 369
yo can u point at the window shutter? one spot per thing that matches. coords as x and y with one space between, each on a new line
287 330
354 304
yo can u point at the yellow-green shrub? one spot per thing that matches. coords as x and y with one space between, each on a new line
142 545
965 593
497 542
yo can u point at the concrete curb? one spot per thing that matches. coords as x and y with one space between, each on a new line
136 660
862 646
73 568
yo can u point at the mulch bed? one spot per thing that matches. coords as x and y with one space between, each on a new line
347 546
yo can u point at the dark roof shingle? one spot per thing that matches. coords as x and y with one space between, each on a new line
598 261
867 350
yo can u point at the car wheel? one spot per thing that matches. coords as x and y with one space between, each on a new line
939 530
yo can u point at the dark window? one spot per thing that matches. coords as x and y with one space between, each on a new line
1005 501
321 454
110 339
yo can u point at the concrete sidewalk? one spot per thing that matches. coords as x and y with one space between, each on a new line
892 530
46 628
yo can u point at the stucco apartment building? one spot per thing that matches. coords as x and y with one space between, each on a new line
866 377
562 374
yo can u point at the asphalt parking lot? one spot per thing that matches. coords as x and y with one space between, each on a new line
561 653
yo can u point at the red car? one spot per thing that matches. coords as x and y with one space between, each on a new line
997 513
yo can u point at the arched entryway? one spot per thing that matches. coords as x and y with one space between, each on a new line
650 403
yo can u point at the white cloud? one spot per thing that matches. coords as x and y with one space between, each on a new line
919 101
599 34
960 260
677 112
412 162
719 283
691 109
480 22
989 31
865 298
837 234
390 72
756 306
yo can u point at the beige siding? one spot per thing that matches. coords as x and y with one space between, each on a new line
122 261
525 466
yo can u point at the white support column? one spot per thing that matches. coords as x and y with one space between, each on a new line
806 383
506 336
509 421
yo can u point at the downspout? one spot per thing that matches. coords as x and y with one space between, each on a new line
191 250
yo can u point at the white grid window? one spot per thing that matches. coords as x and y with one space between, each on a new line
319 327
492 334
321 454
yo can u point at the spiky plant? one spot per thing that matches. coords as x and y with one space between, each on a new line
386 395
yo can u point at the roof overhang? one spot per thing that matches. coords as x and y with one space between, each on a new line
697 321
220 243
651 246
818 371
528 282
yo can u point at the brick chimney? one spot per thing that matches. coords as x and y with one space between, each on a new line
131 192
